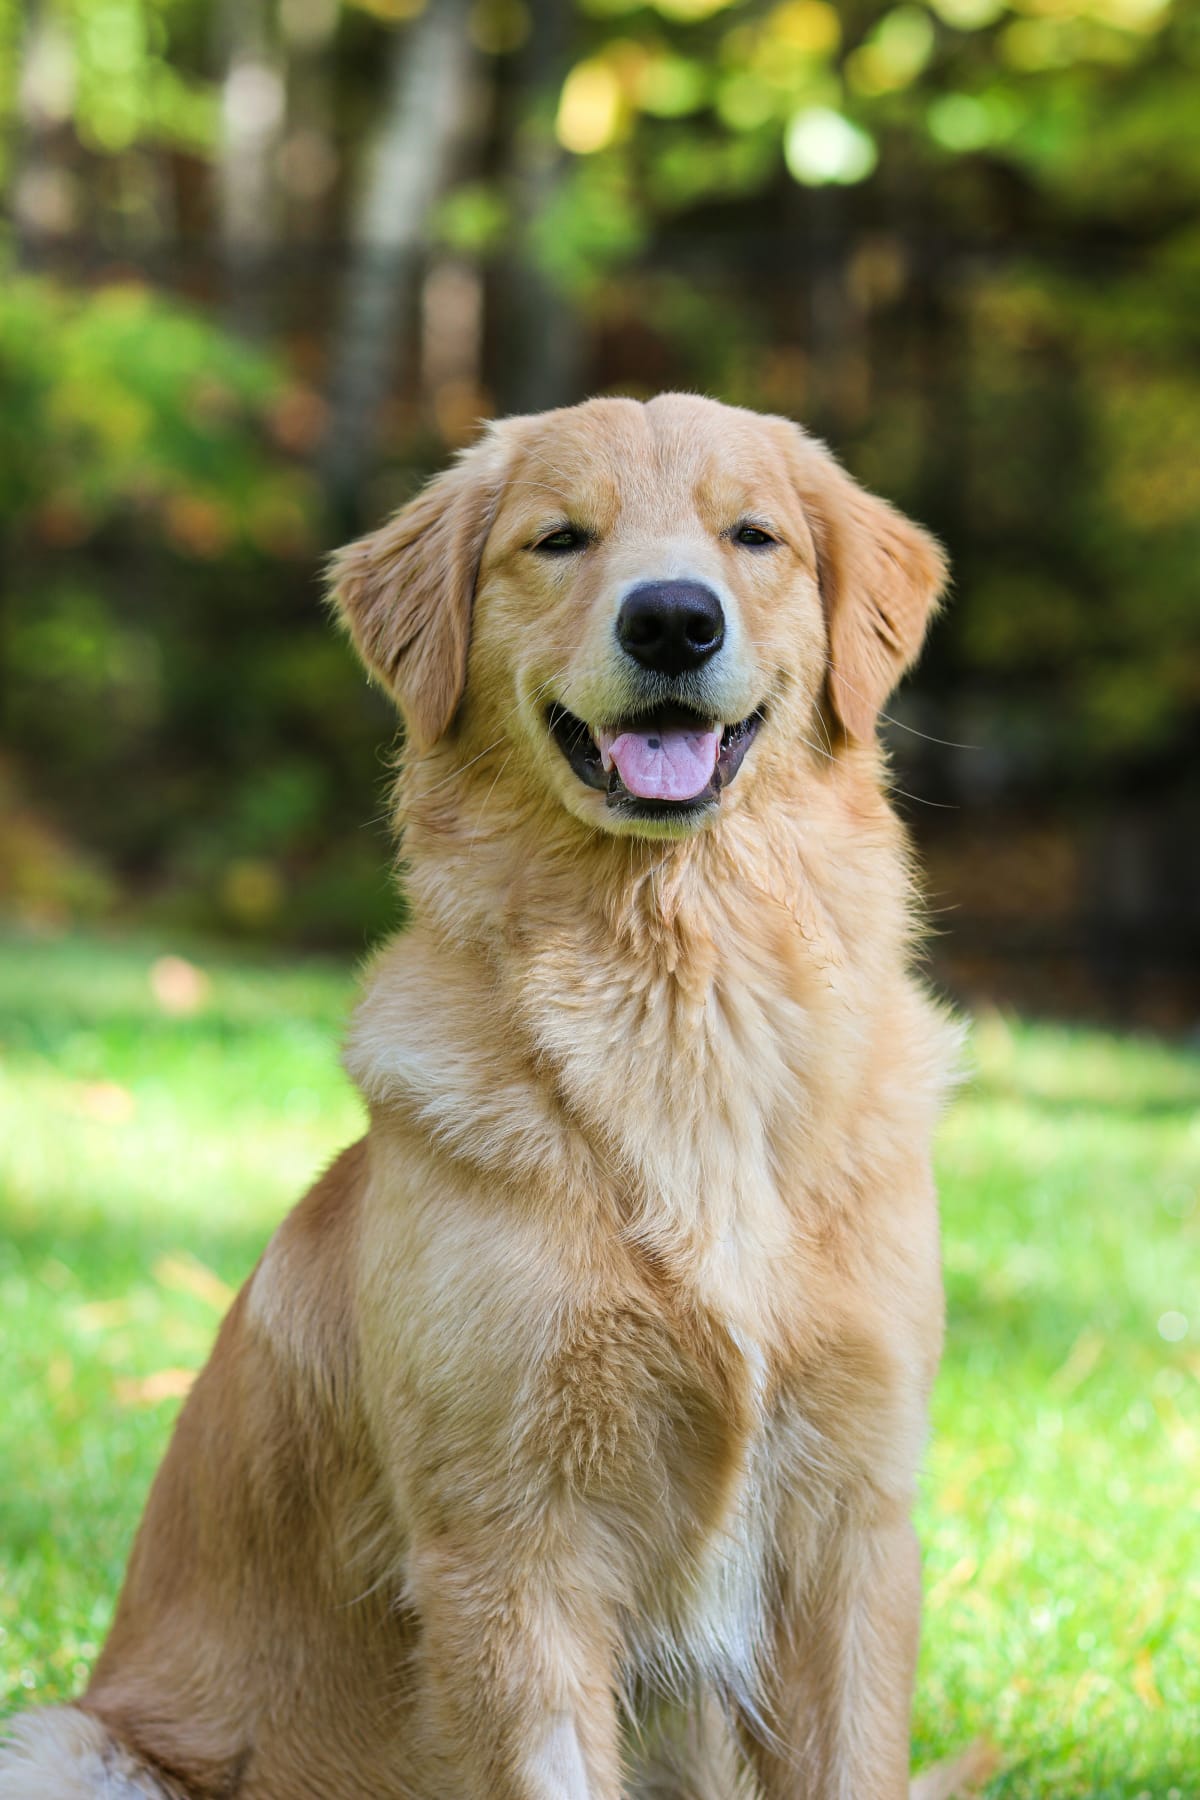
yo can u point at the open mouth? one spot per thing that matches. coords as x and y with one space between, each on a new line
655 764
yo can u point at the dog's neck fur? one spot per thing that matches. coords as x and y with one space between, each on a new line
636 988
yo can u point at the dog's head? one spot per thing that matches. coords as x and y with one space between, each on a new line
645 602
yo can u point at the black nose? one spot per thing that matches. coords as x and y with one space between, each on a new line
671 626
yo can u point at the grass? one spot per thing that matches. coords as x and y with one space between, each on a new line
149 1141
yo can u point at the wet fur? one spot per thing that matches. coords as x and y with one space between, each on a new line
563 1442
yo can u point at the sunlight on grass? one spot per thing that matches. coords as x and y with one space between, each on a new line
1062 1511
150 1140
145 1157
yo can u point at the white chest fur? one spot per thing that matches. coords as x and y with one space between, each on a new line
709 1626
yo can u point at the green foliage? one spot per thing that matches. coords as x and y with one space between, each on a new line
593 222
154 1126
119 404
1088 393
1092 106
473 218
169 663
1047 93
115 69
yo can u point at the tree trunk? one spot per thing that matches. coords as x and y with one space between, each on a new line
308 155
407 167
44 196
542 355
252 106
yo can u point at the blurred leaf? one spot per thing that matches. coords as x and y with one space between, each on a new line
120 402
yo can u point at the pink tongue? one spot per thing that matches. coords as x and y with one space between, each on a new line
667 764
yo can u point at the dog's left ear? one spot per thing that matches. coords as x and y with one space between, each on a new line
406 592
881 579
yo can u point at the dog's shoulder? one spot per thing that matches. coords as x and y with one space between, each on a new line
299 1302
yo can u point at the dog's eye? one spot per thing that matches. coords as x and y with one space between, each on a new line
753 536
567 537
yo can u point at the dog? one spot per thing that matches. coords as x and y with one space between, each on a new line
562 1445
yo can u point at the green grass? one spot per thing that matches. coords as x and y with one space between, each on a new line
145 1156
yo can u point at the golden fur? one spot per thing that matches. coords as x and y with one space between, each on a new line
562 1444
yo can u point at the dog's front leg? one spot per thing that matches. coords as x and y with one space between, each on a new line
845 1656
516 1672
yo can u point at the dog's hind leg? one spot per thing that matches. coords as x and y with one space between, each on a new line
63 1753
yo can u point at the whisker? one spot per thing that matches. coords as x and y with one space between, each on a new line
487 797
819 715
942 805
536 694
900 725
462 768
813 745
949 743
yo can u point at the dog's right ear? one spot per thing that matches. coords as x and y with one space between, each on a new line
406 592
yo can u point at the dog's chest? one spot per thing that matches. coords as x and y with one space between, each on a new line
726 1412
667 1423
726 1451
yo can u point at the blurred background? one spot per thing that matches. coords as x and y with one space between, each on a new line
267 262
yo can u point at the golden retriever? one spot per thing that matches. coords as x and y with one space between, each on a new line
562 1444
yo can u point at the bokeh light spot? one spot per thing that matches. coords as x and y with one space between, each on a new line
822 146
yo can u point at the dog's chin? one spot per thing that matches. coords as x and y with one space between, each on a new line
602 783
670 821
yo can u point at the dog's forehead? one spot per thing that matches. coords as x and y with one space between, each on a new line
621 459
